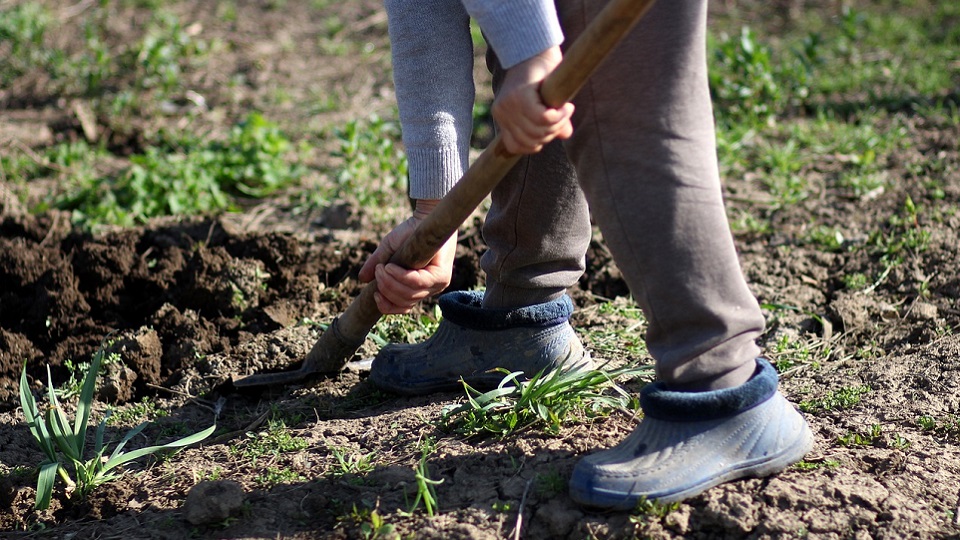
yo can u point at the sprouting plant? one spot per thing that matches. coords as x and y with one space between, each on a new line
842 399
273 441
64 441
546 399
278 475
652 508
348 461
376 527
426 490
870 438
804 465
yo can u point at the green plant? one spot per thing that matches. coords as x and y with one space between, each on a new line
347 461
852 438
78 371
278 475
61 439
374 166
842 399
551 483
376 527
647 508
200 179
426 487
22 31
804 465
546 399
275 440
926 423
146 409
405 328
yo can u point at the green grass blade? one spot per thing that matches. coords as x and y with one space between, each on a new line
59 424
88 387
98 439
126 438
59 427
45 480
34 419
186 441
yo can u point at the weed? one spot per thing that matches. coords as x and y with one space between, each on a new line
838 400
348 461
804 465
546 399
871 438
374 167
647 509
59 438
904 235
617 340
146 409
376 527
405 328
551 483
826 238
274 441
251 162
856 281
22 31
77 373
426 487
751 86
273 476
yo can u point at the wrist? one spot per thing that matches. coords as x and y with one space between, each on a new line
423 207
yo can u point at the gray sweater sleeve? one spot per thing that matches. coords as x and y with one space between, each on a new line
433 75
432 54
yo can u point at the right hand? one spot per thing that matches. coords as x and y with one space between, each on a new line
526 124
400 289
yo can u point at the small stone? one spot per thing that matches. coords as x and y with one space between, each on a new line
211 502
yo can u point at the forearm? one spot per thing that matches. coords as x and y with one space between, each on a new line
433 75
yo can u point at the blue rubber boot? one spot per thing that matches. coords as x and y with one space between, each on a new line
689 442
471 341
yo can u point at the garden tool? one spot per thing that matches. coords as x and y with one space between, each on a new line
343 337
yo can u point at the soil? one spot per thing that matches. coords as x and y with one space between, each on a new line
191 303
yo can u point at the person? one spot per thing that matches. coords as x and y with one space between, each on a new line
636 149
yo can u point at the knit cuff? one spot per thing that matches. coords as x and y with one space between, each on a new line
662 404
433 171
463 308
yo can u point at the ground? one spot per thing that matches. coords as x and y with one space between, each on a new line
190 303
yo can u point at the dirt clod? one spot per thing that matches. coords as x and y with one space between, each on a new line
212 502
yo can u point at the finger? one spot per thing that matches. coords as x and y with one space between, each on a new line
386 307
398 292
413 285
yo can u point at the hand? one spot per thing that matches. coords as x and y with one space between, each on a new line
525 123
400 289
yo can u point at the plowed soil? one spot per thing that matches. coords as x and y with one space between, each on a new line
188 304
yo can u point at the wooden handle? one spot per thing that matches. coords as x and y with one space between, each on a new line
579 62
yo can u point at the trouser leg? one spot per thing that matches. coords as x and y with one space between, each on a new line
645 153
537 229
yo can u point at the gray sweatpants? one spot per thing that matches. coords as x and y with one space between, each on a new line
643 162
